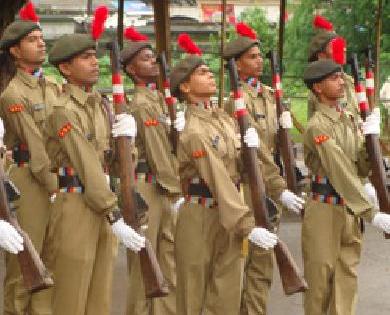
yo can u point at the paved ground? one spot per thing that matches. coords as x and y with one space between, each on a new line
374 290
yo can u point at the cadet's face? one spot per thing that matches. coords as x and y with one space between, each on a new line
31 50
83 69
250 64
332 88
202 82
144 65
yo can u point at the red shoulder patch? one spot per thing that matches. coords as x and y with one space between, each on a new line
16 108
64 129
197 154
151 122
320 139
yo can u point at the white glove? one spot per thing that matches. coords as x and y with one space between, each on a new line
382 221
1 133
10 239
291 201
176 205
372 125
130 238
168 121
251 138
285 120
263 238
371 194
124 126
180 121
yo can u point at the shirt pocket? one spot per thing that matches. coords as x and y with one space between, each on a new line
38 112
219 145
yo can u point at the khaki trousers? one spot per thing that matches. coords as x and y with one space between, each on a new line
208 264
80 251
331 241
33 214
258 274
160 232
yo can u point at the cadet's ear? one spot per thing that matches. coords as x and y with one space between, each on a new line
317 88
64 69
130 69
185 87
15 51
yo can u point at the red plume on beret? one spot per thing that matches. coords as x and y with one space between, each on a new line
185 42
99 18
245 30
338 50
132 34
27 13
322 23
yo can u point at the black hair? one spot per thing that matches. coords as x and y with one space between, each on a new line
7 69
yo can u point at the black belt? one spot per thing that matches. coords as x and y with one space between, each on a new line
323 189
21 154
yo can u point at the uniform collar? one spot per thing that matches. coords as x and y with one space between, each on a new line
199 111
27 78
80 95
330 112
247 88
148 92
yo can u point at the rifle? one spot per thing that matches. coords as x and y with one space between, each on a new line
283 136
378 176
169 100
370 84
154 282
292 281
35 275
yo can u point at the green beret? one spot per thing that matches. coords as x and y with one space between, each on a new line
238 46
319 70
68 46
319 42
16 31
183 70
131 50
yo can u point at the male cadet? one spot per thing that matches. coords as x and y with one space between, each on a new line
24 107
261 106
156 174
321 47
331 233
85 215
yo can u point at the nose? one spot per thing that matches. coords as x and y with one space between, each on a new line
94 60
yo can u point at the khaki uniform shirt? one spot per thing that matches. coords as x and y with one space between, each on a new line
24 106
334 148
349 102
152 139
79 136
207 149
262 115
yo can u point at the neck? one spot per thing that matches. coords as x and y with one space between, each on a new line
139 80
334 102
29 67
195 99
85 87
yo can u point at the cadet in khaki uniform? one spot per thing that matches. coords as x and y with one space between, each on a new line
321 48
260 102
81 243
214 219
157 177
24 107
331 231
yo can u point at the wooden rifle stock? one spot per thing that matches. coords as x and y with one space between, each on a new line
169 100
284 138
289 272
378 176
35 275
154 283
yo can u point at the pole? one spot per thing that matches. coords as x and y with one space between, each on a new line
121 12
281 32
89 8
221 68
